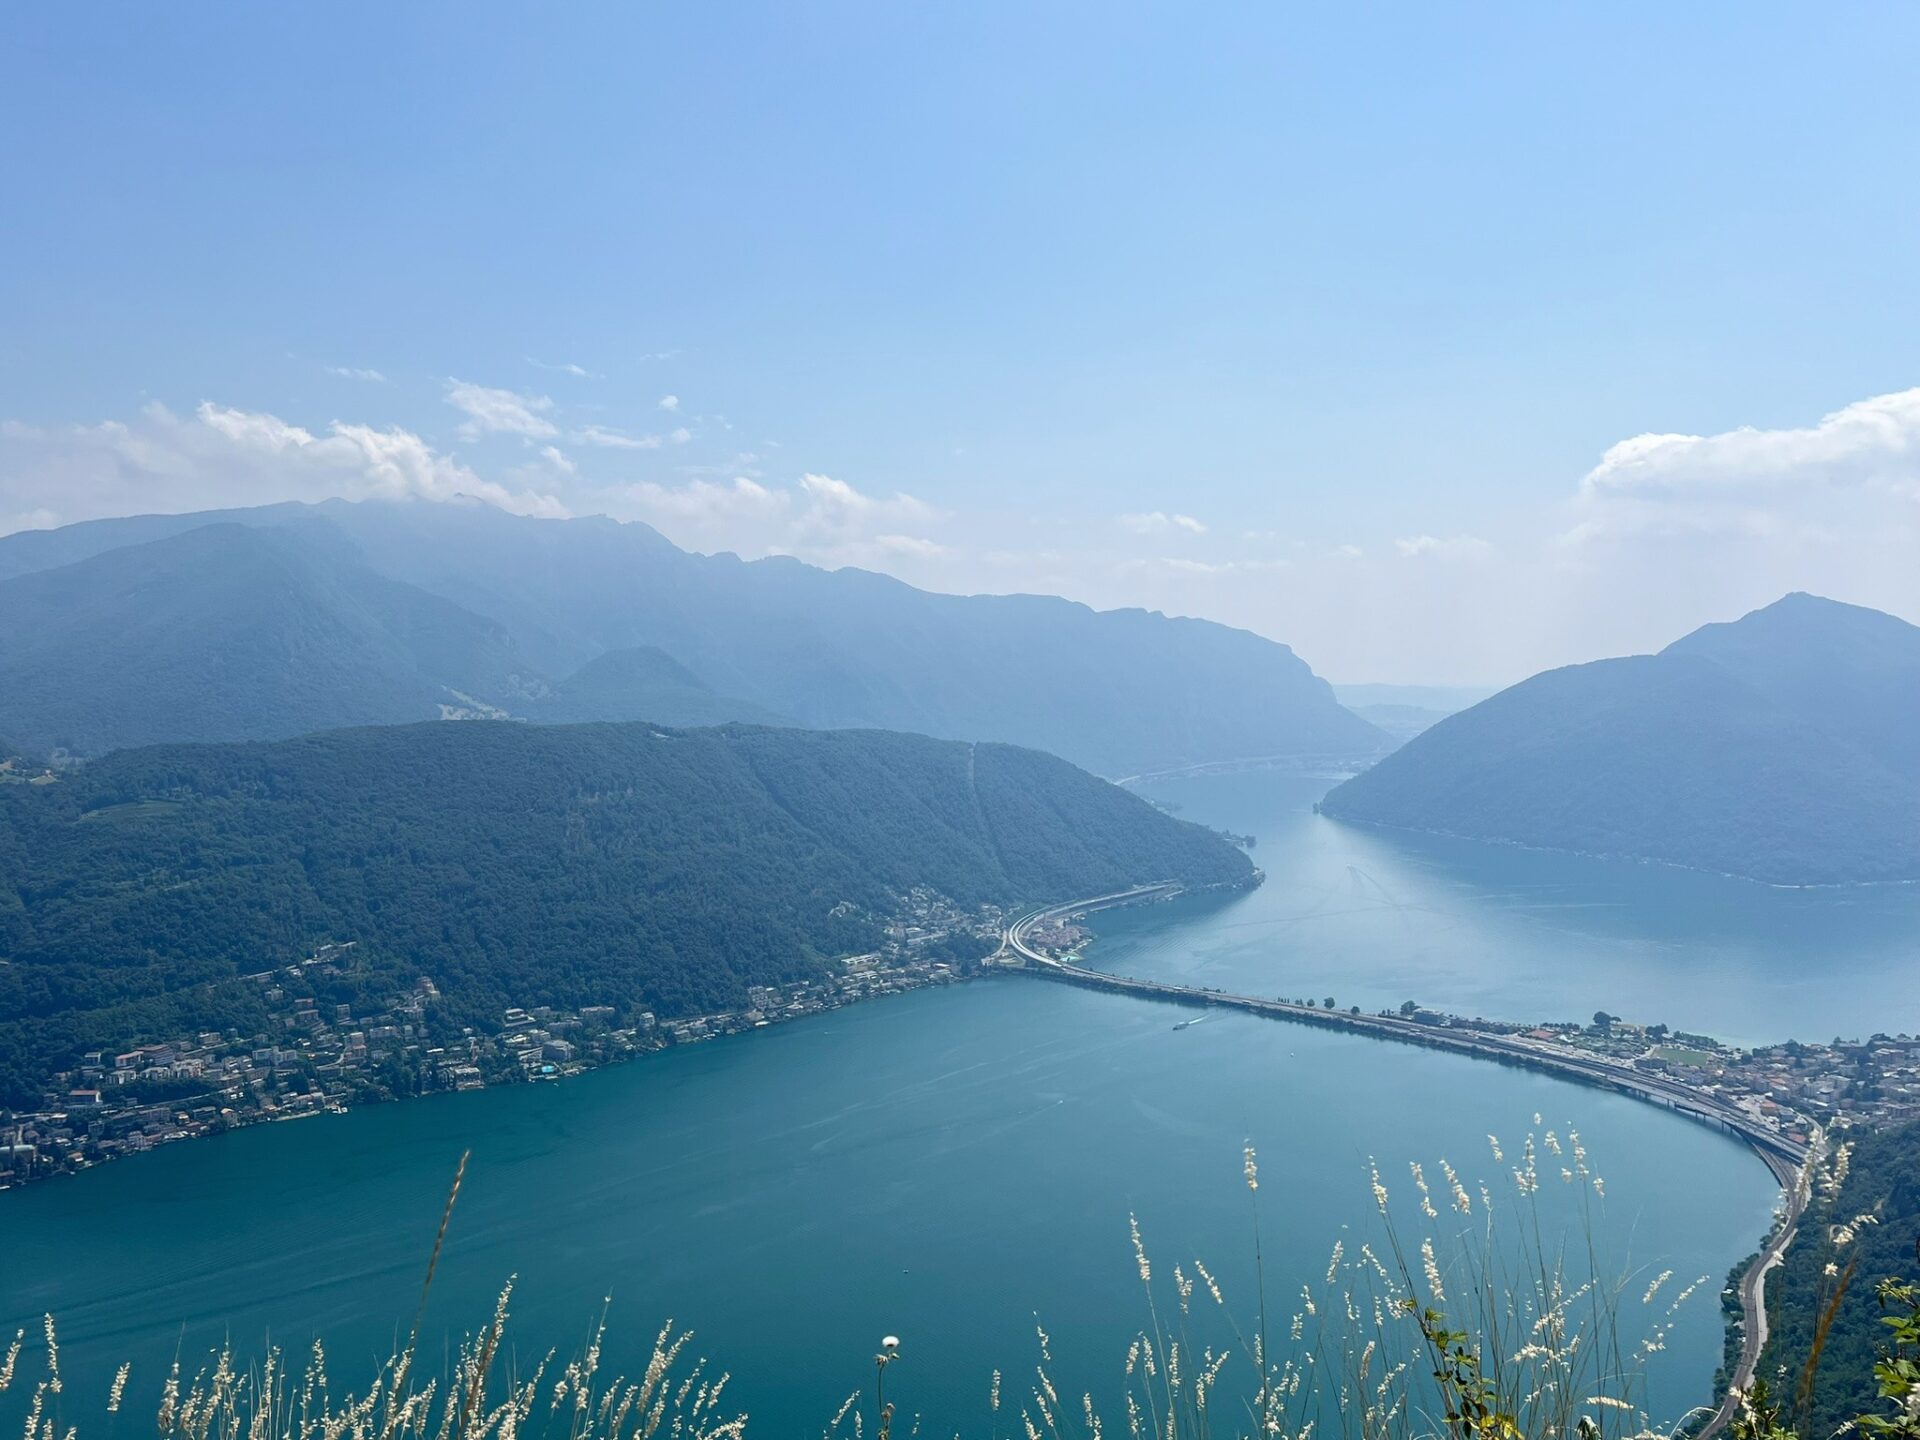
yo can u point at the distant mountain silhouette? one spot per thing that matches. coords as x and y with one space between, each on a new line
1119 692
1784 746
644 683
230 632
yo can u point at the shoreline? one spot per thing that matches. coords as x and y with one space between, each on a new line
882 983
1433 1030
1752 1278
1792 1171
1836 885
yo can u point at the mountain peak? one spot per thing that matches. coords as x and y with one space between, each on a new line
1810 625
1779 746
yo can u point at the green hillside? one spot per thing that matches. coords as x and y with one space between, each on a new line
517 864
1883 1183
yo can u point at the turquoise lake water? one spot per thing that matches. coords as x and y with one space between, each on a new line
1377 917
951 1165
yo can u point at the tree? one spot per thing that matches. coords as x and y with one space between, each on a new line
1407 1007
1602 1020
1328 1002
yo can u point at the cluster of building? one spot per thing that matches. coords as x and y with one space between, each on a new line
319 1056
1791 1086
1872 1082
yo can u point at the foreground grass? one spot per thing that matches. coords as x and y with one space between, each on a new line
1470 1317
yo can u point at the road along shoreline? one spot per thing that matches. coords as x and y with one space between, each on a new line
1790 1161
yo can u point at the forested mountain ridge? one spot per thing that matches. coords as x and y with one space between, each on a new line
1782 747
518 864
1118 691
1882 1183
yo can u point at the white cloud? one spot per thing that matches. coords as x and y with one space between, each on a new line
669 402
817 518
253 430
914 545
349 372
559 459
711 504
1155 522
221 456
834 505
1856 469
502 412
1021 559
1872 442
611 439
681 436
1205 569
1455 547
40 519
564 367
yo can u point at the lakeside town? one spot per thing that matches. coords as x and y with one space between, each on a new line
320 1057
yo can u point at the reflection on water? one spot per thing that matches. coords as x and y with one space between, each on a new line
1376 917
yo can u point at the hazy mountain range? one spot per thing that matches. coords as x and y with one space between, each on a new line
1784 746
1403 711
289 618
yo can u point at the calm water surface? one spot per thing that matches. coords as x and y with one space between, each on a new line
949 1165
1375 917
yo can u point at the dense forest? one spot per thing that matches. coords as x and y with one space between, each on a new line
519 864
1882 1183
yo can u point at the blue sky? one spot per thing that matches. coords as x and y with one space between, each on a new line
1319 321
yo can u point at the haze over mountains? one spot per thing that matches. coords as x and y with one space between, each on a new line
289 618
1784 746
1403 711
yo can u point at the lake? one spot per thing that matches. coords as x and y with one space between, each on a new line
952 1165
1377 917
